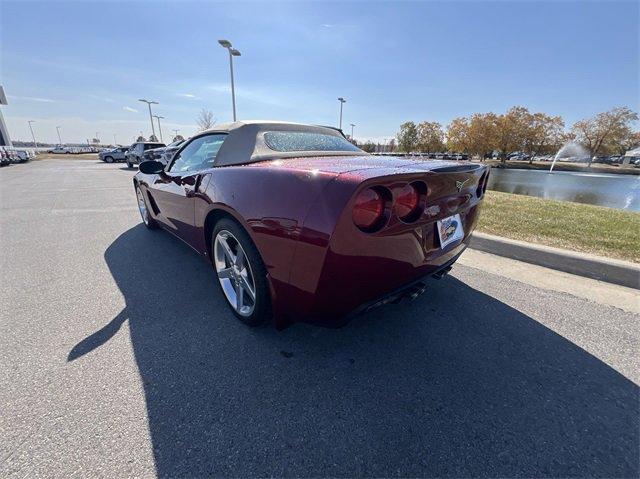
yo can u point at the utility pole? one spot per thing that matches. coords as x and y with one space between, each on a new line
115 143
159 127
342 102
352 125
232 53
59 138
149 103
35 145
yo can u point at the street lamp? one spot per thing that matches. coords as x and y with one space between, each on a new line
97 135
232 53
159 127
149 103
35 145
115 143
342 102
59 139
352 125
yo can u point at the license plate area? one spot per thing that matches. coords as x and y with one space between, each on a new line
450 230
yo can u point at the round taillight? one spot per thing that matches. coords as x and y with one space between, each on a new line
368 209
407 200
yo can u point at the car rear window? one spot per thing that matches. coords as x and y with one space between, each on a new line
306 141
149 146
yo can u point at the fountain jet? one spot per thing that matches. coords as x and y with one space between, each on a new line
569 150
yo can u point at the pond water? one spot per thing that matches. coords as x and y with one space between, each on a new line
612 190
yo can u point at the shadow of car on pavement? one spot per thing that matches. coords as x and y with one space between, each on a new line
455 383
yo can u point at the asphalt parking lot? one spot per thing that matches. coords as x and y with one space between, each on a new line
119 358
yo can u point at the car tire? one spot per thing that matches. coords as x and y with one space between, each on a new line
241 273
145 214
129 164
108 159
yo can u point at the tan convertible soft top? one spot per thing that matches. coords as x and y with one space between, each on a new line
246 144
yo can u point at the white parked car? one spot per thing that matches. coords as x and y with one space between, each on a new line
60 150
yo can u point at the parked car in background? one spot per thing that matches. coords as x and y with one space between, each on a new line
15 155
153 153
168 152
135 153
4 157
23 156
518 157
115 154
61 150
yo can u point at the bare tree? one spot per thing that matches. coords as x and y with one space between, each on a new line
205 119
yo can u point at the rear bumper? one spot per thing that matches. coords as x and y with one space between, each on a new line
409 290
352 285
358 272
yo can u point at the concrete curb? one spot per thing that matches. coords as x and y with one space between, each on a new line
610 270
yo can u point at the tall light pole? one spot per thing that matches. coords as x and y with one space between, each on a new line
342 102
159 127
232 53
175 132
97 135
59 138
115 143
149 103
35 145
352 125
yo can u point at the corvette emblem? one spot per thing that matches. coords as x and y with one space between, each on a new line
460 184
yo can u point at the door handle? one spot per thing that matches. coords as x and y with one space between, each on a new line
196 185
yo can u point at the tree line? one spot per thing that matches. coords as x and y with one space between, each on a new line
520 130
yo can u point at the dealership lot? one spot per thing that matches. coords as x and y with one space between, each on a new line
119 357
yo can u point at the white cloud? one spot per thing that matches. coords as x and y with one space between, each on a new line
128 108
327 25
32 98
187 95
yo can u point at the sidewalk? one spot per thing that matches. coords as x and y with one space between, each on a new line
615 271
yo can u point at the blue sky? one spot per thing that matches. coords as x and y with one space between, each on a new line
83 65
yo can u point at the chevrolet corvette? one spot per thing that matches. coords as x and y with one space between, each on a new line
301 225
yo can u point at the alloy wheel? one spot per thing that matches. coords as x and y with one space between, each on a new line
142 206
234 273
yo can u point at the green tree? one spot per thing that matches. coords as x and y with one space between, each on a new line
408 137
368 146
458 137
430 136
544 134
483 131
512 131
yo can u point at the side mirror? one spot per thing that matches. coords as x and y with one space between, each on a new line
151 167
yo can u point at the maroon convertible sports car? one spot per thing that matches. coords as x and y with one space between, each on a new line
300 225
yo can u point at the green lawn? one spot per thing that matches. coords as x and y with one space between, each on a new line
578 227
